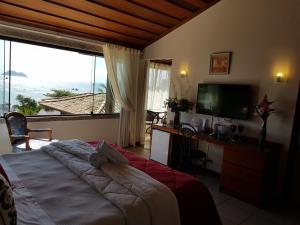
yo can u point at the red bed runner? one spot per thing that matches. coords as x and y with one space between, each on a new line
195 202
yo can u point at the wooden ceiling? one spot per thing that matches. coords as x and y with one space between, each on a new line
134 23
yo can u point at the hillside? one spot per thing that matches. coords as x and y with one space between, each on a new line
14 73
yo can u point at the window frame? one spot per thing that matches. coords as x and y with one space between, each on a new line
51 46
69 116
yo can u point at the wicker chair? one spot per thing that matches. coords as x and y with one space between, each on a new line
18 130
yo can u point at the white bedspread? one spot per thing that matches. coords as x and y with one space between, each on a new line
141 199
29 212
48 193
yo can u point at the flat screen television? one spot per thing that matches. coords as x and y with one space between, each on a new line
224 100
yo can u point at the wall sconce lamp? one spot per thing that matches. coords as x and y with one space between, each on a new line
280 77
183 73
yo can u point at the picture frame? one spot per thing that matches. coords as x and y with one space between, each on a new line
220 63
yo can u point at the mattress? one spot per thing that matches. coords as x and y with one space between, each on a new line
195 202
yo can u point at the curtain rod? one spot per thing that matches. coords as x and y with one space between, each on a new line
162 61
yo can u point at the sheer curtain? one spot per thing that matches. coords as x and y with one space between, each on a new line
158 85
123 66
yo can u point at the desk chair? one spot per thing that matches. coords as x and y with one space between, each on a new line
189 154
19 132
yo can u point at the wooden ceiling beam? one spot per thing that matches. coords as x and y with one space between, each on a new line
21 13
183 21
110 14
139 11
185 5
199 3
73 15
62 31
165 7
135 23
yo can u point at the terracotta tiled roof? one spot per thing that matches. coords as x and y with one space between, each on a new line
77 104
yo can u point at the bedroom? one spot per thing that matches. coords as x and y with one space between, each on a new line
263 40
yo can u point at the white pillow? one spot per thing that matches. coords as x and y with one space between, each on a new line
110 153
97 160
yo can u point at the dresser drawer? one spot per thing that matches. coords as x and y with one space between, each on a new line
248 158
245 191
241 173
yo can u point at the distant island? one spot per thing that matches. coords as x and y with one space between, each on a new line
14 73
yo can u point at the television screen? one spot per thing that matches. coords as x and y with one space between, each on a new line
224 100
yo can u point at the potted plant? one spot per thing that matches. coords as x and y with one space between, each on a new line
177 106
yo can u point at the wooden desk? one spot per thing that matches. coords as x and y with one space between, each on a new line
247 172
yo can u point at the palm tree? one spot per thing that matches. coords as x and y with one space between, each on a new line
27 106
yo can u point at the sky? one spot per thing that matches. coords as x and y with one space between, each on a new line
53 65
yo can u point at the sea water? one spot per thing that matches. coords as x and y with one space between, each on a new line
37 88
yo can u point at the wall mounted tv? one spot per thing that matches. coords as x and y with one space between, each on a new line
224 100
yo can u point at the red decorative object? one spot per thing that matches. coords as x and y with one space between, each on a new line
263 110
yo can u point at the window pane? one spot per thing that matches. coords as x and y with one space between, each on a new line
4 59
104 101
49 81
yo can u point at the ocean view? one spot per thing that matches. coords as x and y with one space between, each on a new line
37 88
36 70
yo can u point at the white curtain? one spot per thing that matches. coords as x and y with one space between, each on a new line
123 72
158 85
141 113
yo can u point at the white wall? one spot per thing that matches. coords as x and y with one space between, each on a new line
87 130
262 36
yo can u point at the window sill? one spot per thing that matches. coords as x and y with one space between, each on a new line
69 117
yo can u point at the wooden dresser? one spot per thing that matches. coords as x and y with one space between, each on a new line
249 173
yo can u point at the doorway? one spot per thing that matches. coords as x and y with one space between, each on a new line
157 91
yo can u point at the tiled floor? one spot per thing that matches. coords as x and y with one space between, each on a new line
235 212
145 153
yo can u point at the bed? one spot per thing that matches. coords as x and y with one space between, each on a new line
56 195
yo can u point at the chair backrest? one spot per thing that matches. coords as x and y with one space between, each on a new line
152 116
187 142
16 124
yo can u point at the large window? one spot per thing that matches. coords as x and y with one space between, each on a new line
36 80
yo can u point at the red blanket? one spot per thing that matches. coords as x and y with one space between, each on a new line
195 202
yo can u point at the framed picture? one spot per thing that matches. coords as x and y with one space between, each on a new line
220 63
